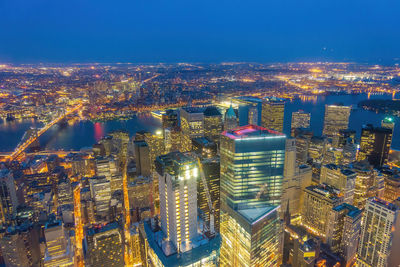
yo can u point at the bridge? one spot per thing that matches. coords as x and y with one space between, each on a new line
32 138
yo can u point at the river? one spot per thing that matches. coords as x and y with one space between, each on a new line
86 133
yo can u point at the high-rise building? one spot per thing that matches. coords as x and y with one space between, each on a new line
177 242
252 164
341 178
303 140
343 137
8 195
20 246
319 200
212 123
375 144
178 174
100 191
365 183
64 192
343 231
211 169
336 119
104 245
252 160
142 156
388 122
273 113
231 119
192 125
204 147
377 234
58 245
316 148
300 119
392 188
251 237
170 119
249 110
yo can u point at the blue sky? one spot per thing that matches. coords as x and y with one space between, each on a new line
199 31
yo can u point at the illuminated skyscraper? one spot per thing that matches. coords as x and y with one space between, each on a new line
105 245
365 183
58 245
170 119
252 163
375 145
8 196
192 125
392 187
336 119
142 156
343 231
212 123
273 113
388 122
178 242
252 160
377 234
319 200
230 120
300 119
341 178
178 176
100 191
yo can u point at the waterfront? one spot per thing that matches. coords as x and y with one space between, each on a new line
85 133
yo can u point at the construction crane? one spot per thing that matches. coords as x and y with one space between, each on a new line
208 196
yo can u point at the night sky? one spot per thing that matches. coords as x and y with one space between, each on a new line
142 31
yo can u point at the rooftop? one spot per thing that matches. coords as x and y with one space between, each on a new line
352 211
251 131
254 215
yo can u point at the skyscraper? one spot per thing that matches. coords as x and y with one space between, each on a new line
319 200
178 174
8 195
105 245
252 160
230 120
273 113
365 183
336 118
252 164
375 144
377 232
212 123
58 245
343 231
100 191
300 119
341 178
388 122
192 125
142 156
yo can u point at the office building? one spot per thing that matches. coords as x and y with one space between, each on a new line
212 123
341 178
20 245
251 237
249 109
142 156
343 137
273 113
178 174
375 145
252 164
319 200
231 119
204 147
8 196
388 123
316 148
100 191
300 119
192 126
252 160
170 119
365 183
336 119
392 188
377 234
58 250
343 231
211 169
104 245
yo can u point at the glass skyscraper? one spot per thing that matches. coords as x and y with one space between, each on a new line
252 161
